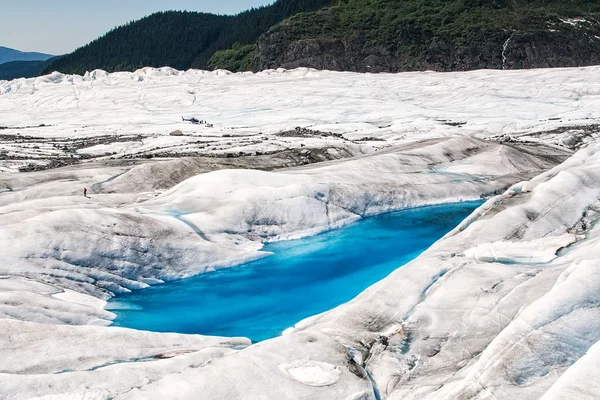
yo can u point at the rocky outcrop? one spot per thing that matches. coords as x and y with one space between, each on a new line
288 45
576 45
294 43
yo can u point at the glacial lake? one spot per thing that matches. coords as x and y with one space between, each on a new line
303 277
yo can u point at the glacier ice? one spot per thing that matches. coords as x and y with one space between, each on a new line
504 306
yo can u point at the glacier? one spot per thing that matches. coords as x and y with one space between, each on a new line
504 306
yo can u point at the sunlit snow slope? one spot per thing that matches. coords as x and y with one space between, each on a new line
505 306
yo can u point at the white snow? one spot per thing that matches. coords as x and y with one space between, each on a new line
505 306
247 110
580 381
80 298
540 250
312 373
573 21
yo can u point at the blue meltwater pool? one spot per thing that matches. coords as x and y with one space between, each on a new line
303 277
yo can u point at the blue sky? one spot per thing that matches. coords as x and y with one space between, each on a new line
60 26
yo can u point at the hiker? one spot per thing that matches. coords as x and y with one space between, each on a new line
84 192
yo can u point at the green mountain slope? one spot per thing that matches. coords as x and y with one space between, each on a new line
177 39
444 35
356 35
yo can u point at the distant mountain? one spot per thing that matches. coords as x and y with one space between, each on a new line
178 39
8 55
23 69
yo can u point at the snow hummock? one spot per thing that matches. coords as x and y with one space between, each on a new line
533 251
312 373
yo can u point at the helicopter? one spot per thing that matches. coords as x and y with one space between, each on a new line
193 120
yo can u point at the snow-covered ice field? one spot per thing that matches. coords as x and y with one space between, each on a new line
505 306
130 115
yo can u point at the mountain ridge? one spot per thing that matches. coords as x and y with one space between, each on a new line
8 54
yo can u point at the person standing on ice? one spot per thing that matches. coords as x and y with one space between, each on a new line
84 192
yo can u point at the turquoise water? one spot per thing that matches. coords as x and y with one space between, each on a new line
303 277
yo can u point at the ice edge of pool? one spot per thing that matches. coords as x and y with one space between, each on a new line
125 308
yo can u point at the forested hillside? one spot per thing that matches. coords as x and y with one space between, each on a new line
23 69
443 35
356 35
177 39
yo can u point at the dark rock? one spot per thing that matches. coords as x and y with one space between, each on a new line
567 47
305 132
